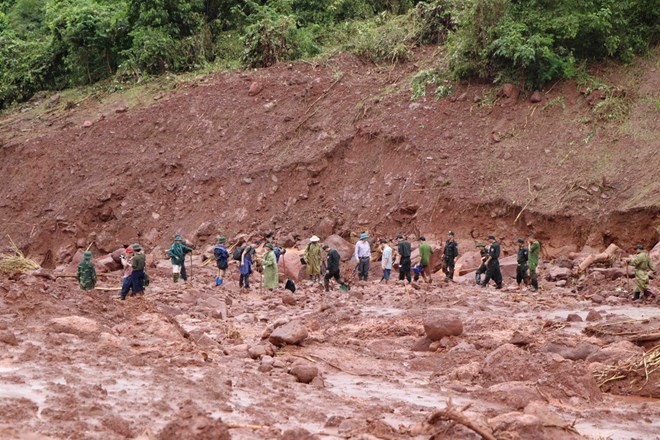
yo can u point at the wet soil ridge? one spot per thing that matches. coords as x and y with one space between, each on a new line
339 146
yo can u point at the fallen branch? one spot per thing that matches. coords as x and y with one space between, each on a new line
608 255
533 197
241 426
324 94
456 415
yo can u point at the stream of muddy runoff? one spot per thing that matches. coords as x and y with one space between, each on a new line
172 363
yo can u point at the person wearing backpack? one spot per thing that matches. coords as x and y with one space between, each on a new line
221 255
177 252
245 267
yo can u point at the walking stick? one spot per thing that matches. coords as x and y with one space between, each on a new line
628 279
191 267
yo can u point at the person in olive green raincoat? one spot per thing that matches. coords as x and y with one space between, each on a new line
643 265
533 261
313 259
271 275
86 275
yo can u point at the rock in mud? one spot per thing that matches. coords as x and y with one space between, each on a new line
441 325
191 423
536 97
75 325
8 337
509 363
573 317
556 273
515 394
304 373
581 351
520 339
342 246
615 352
289 299
593 315
119 426
518 425
292 333
298 434
255 88
422 344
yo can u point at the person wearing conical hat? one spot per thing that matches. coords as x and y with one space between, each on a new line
86 274
363 256
270 274
221 255
177 253
313 257
643 265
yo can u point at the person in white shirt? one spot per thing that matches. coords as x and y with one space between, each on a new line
363 256
386 262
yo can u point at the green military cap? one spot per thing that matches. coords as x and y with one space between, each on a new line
222 239
269 245
520 240
640 247
136 247
177 237
87 255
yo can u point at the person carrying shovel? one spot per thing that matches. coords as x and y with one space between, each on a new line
177 253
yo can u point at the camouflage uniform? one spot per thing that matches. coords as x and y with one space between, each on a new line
86 275
643 265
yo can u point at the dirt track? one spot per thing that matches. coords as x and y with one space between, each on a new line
87 366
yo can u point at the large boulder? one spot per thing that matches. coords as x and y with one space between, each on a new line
345 249
468 262
655 255
290 264
509 266
442 324
292 333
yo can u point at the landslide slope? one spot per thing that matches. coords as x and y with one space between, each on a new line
336 146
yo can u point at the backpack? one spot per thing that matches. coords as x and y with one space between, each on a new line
290 285
236 255
220 253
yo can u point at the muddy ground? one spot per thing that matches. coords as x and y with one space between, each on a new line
196 361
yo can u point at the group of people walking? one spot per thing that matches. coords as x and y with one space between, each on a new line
323 262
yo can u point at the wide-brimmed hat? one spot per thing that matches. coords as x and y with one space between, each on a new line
136 247
314 239
364 236
87 255
270 246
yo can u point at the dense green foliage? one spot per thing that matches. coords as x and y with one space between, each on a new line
51 44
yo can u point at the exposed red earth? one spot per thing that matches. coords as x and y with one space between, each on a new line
332 149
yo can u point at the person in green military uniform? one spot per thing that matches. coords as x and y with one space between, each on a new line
86 274
425 252
270 274
643 265
533 261
177 253
313 257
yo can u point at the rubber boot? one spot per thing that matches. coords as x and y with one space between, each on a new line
535 285
175 277
326 284
477 278
635 296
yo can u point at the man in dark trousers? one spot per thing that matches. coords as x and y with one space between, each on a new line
483 252
493 264
404 251
521 269
332 267
450 254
